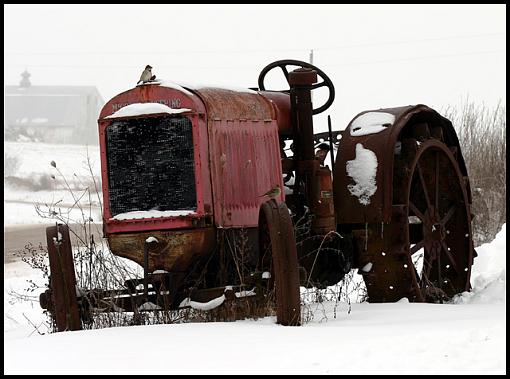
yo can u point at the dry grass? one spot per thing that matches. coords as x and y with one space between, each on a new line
482 136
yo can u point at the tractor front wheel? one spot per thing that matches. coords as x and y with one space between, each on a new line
278 261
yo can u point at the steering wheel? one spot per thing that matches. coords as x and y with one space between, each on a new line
326 81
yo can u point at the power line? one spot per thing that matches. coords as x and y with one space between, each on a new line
137 66
237 67
236 51
413 41
425 57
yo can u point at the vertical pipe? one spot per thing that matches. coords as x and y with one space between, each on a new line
301 81
311 62
305 123
146 271
331 144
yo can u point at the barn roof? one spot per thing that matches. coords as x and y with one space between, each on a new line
50 105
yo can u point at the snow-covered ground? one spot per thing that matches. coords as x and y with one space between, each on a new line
467 336
35 158
28 180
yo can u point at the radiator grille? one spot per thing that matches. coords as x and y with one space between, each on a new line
150 165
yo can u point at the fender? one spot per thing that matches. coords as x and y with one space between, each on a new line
409 121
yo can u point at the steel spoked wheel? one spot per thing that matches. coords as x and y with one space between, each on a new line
278 258
439 225
426 252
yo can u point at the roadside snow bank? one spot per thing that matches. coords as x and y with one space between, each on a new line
488 275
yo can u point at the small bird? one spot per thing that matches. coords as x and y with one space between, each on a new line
322 152
146 75
273 192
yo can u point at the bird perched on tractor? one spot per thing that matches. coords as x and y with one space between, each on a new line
273 192
322 152
146 75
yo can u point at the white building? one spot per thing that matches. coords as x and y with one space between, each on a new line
56 114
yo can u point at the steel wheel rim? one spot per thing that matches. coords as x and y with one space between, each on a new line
438 202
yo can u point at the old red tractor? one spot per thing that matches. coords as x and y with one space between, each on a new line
190 173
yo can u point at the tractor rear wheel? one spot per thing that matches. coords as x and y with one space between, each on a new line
426 253
278 258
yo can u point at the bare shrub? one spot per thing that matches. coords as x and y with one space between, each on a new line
482 136
317 301
95 266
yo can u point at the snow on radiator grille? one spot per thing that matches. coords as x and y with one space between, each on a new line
150 165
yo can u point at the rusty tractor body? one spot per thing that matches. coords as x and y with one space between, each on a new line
185 170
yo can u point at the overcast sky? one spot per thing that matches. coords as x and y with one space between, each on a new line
376 55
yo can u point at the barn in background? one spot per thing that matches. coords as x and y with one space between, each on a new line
53 114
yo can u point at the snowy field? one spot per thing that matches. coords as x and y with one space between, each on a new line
467 336
28 180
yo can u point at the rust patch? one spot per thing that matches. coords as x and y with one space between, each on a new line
176 250
322 202
245 164
225 104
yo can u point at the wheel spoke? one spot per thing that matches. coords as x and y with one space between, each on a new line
415 286
424 185
318 85
417 247
427 266
448 215
285 72
450 257
437 184
438 258
416 211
